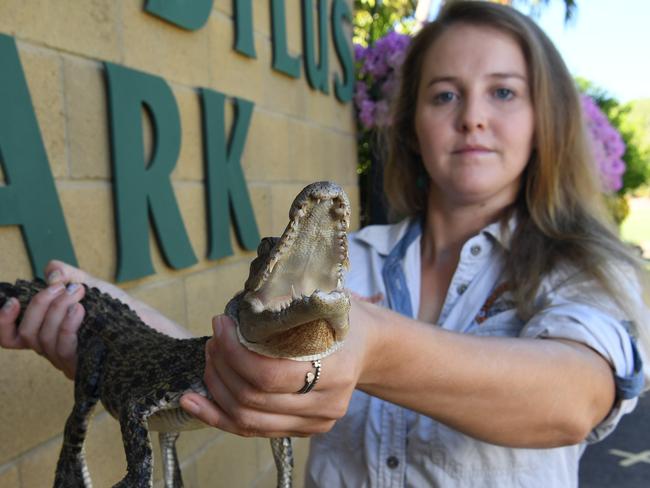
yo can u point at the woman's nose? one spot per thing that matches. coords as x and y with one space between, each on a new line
472 115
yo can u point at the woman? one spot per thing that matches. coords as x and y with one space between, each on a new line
502 246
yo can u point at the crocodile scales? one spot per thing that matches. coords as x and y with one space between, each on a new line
293 306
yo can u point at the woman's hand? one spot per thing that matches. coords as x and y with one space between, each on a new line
50 322
255 395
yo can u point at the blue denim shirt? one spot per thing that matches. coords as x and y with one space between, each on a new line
378 444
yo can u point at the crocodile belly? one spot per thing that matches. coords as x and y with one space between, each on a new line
173 420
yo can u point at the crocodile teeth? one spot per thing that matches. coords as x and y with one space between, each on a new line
294 294
272 263
256 305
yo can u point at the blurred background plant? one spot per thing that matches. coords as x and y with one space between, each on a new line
373 19
620 142
381 33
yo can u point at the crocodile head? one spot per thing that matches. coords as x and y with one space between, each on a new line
293 304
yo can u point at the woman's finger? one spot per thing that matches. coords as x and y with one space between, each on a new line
234 392
9 336
270 375
253 423
60 272
66 344
243 400
54 318
34 315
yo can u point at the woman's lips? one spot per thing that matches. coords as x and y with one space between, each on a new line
472 150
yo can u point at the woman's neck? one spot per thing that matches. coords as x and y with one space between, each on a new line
448 227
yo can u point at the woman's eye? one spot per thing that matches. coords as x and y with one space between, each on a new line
504 93
444 97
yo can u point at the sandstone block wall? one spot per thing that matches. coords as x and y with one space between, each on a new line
297 135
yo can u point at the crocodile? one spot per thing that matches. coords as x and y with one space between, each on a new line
293 306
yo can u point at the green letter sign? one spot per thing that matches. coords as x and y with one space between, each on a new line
226 187
343 90
317 73
29 198
244 40
190 15
144 190
281 60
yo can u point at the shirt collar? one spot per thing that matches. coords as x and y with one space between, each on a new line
383 238
502 233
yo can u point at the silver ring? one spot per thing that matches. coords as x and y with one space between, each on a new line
311 378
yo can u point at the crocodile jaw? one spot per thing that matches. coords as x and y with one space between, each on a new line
294 305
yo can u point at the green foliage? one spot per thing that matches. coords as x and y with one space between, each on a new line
618 207
637 154
375 18
639 121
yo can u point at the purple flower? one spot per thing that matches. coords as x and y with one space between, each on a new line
382 113
366 113
378 66
360 93
359 52
607 146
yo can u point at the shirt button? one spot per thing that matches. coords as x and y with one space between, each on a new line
392 462
475 250
461 289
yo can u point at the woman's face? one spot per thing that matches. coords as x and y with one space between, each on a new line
474 116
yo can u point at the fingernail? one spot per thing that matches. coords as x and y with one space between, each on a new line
8 304
54 289
53 276
72 287
218 327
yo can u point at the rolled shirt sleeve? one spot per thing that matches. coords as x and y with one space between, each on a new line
584 313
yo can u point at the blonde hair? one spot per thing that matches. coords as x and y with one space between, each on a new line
560 211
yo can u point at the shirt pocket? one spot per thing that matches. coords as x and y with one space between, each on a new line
504 323
468 462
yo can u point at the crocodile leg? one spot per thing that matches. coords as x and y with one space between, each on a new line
283 457
171 467
137 446
72 470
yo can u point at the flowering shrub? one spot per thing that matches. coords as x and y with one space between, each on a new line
377 69
607 146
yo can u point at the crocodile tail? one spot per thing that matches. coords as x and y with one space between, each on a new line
100 307
111 319
22 290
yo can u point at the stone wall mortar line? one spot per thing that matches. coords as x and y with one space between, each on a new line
264 472
66 124
221 438
119 28
304 120
54 440
174 85
73 183
305 182
34 45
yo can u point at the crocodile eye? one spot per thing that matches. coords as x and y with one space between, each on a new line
266 244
